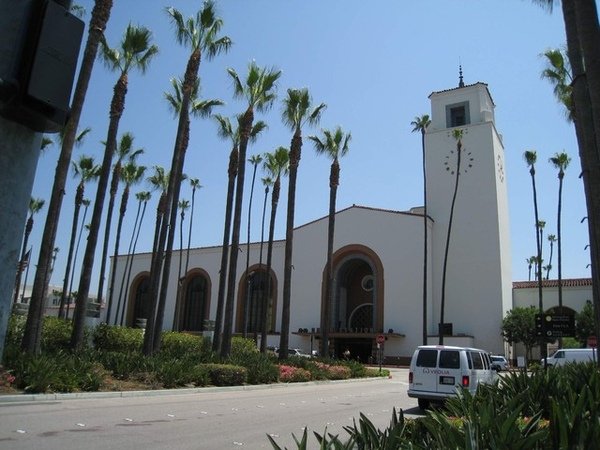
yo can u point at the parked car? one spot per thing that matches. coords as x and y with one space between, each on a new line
294 352
499 363
438 372
571 355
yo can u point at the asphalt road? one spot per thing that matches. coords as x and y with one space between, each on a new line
213 418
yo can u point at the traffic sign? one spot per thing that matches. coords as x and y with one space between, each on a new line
380 338
592 342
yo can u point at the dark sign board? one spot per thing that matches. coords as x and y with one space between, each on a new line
555 325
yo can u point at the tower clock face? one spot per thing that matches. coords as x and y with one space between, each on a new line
500 168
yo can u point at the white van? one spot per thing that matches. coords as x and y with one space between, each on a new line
438 372
572 355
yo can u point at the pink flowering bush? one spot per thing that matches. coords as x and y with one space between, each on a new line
333 372
291 374
6 378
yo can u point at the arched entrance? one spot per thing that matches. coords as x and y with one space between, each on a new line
356 311
139 303
253 298
195 302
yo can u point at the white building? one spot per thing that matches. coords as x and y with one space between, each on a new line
378 257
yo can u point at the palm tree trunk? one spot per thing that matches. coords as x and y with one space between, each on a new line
248 282
425 240
587 137
538 237
295 154
28 228
113 274
114 185
33 329
116 111
80 233
131 264
179 281
268 300
154 324
445 267
329 297
128 262
261 305
559 242
245 125
65 290
233 163
160 311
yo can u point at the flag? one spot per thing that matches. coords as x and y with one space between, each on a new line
22 265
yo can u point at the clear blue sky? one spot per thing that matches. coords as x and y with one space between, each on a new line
374 64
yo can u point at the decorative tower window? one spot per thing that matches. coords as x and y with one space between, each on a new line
457 115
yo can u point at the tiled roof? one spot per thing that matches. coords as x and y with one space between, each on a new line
570 282
465 86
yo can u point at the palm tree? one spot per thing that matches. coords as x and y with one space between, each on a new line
333 144
255 160
35 206
183 205
195 184
551 239
134 52
200 34
530 262
267 183
558 73
85 170
125 150
143 198
33 330
581 28
531 158
129 175
230 132
276 164
560 161
86 204
420 124
298 111
258 89
226 131
457 134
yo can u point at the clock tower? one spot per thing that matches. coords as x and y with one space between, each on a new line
478 287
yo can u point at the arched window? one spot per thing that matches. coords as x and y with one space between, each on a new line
194 305
253 300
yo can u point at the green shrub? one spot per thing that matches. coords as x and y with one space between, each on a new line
117 339
261 368
123 366
200 375
242 346
179 345
173 373
226 374
56 334
15 330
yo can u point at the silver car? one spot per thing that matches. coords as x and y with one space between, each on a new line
499 363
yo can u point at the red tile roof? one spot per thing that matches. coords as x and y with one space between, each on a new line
570 282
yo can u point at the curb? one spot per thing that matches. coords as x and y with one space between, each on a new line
27 398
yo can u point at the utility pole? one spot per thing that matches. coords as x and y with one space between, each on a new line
38 56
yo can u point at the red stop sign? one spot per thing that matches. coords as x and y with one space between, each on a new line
592 341
380 338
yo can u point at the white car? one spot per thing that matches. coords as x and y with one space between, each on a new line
294 352
499 363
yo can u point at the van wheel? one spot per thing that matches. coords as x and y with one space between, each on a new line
423 403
